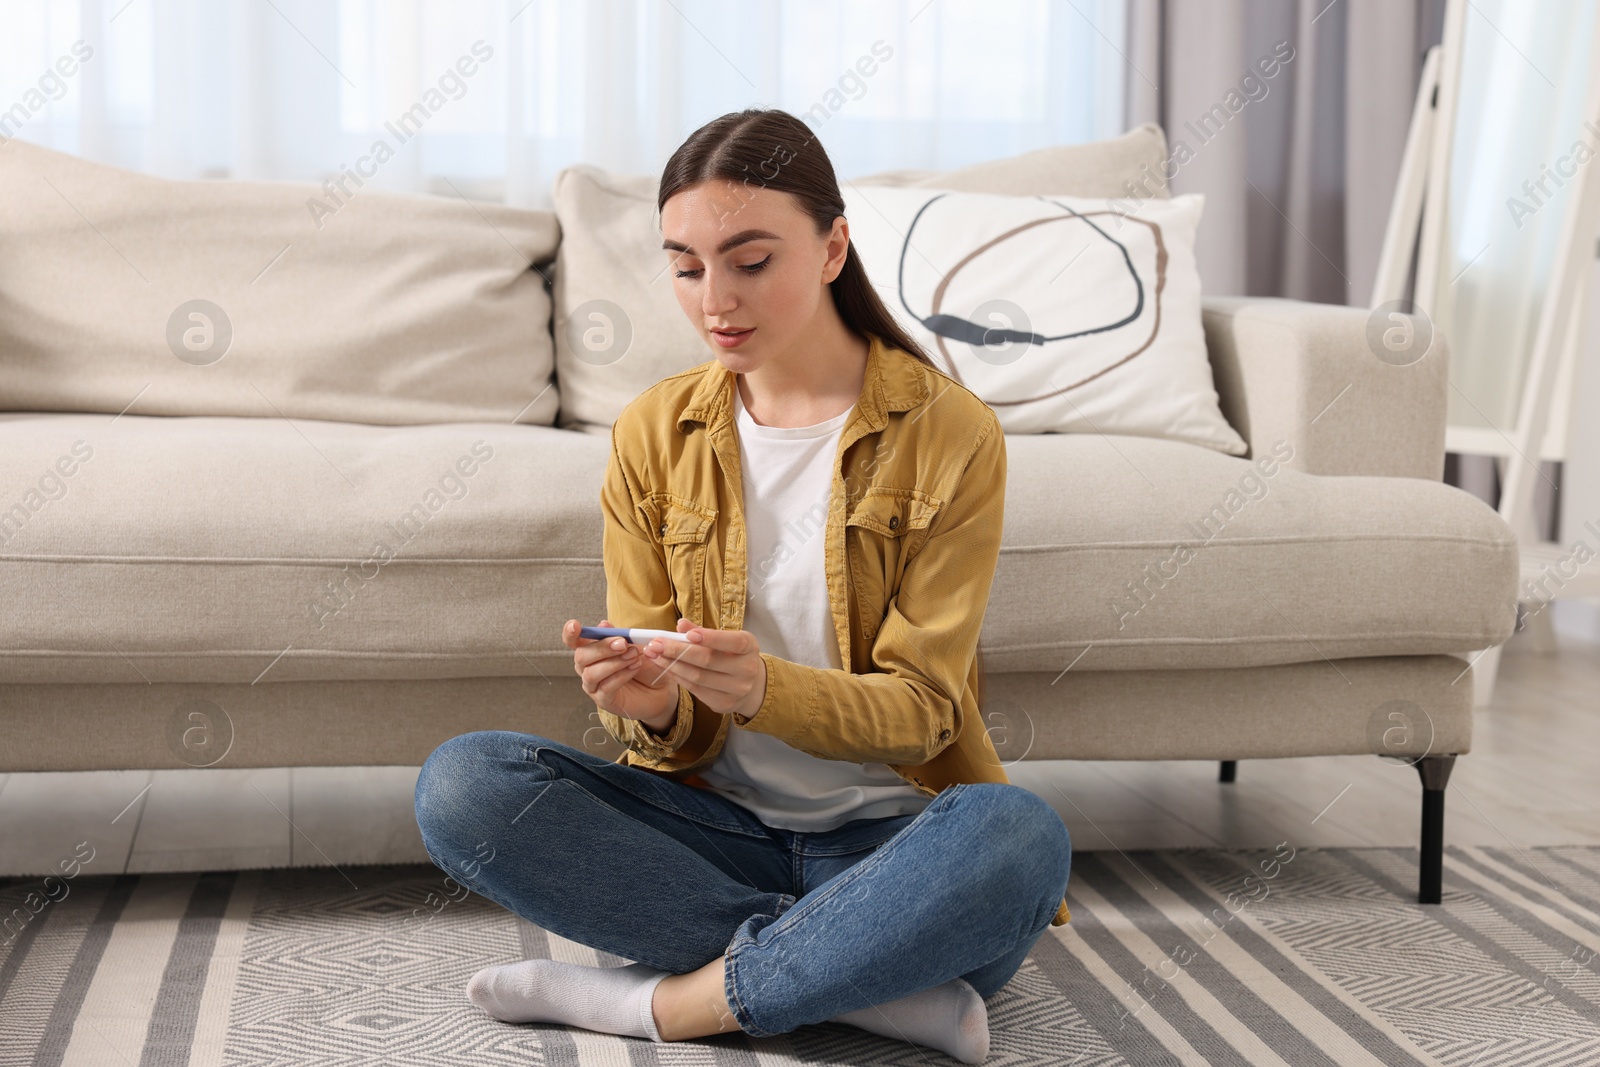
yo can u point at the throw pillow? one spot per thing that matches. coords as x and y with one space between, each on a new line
1065 314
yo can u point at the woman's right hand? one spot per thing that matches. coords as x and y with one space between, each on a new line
618 677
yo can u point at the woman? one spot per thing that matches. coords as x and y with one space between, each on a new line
809 822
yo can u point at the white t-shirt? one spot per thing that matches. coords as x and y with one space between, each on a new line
788 480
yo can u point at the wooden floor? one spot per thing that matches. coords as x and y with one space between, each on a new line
1530 780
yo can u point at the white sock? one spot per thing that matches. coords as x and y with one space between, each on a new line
617 1000
610 1000
951 1018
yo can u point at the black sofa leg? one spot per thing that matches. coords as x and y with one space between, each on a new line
1435 772
1229 771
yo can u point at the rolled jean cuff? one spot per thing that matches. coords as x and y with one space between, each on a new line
743 938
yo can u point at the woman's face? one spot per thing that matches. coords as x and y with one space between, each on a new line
747 258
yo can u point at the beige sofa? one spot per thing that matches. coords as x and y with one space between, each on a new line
286 485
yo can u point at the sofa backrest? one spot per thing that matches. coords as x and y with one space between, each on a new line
120 291
126 292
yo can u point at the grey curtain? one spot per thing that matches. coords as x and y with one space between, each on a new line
1297 156
1290 116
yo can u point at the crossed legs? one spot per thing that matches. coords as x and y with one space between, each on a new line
689 883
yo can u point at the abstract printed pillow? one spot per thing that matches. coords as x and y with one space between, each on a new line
1065 314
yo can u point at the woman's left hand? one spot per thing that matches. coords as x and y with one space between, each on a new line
723 668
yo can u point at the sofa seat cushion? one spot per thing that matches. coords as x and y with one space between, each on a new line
1144 554
220 549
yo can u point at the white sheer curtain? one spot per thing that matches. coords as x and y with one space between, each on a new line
1519 137
490 98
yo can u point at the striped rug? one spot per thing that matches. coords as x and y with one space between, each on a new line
1315 957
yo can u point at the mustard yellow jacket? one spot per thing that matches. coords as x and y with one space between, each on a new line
910 543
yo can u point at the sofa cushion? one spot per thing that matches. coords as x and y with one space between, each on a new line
141 549
124 291
618 327
225 549
1129 165
1140 553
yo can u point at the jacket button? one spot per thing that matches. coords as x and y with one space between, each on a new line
894 520
663 529
944 735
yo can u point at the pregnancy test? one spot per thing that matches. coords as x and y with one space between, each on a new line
635 634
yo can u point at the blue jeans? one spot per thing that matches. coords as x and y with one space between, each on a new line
672 876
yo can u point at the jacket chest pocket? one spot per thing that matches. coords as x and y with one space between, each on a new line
883 529
683 529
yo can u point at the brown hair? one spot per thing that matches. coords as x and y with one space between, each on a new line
772 149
